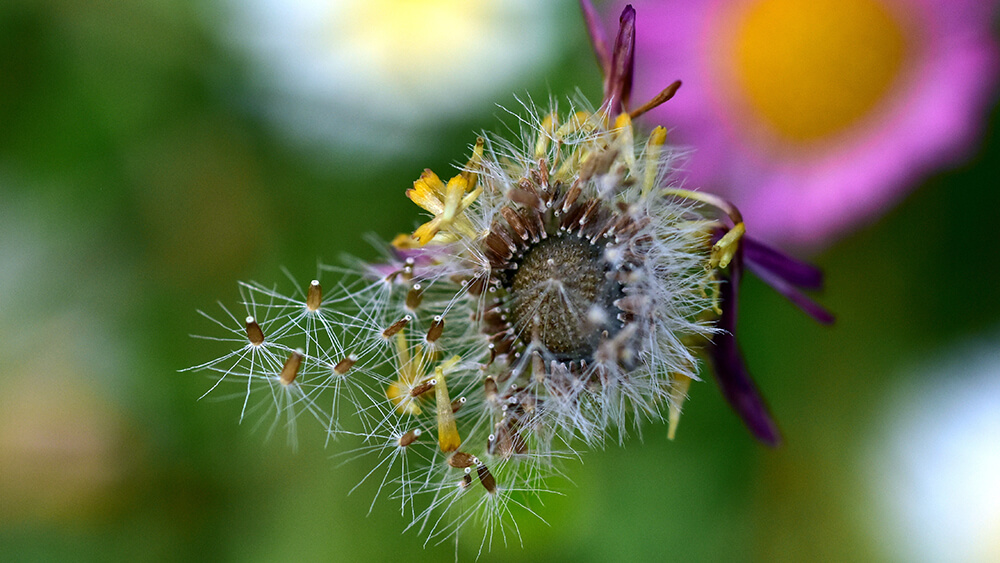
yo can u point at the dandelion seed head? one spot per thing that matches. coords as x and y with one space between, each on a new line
559 291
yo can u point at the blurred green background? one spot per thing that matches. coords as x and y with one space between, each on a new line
137 185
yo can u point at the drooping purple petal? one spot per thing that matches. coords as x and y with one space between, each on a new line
760 256
799 299
618 84
597 37
730 370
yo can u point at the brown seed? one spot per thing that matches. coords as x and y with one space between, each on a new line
515 222
461 460
490 386
345 365
436 329
457 404
589 213
497 261
570 221
533 222
410 437
632 303
503 343
414 297
525 196
254 334
504 236
422 388
600 228
486 478
477 286
496 243
571 195
291 368
396 327
541 174
314 297
506 439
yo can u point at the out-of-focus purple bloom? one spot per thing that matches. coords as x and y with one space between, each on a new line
815 116
785 274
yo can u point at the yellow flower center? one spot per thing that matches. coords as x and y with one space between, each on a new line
408 40
810 69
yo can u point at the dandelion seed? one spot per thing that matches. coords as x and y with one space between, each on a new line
291 368
254 334
436 329
486 478
414 297
461 460
396 327
422 388
410 437
315 296
562 289
345 365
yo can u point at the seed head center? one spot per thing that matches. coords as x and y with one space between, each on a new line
557 285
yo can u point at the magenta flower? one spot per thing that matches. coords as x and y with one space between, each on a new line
783 273
815 116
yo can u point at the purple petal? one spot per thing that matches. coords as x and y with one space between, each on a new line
619 81
782 286
731 372
597 37
760 256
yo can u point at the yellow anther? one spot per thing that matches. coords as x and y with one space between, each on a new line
579 121
625 139
725 248
409 369
547 130
654 147
447 203
475 164
404 241
448 438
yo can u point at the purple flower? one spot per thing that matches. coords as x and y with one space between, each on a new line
815 116
783 273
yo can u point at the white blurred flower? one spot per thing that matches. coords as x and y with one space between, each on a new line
938 466
381 72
